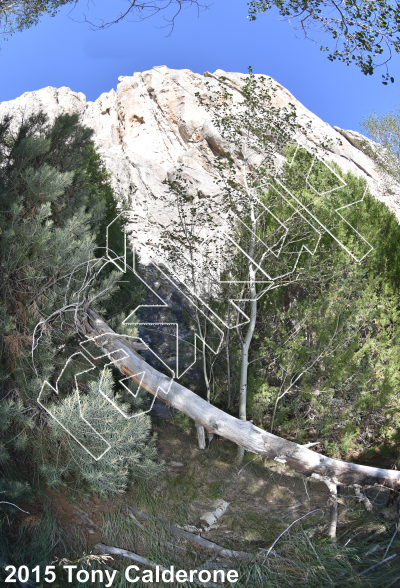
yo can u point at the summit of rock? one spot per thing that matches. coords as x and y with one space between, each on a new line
153 124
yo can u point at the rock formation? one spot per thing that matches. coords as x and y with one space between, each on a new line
149 127
153 124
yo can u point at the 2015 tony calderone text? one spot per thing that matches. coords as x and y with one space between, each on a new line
132 574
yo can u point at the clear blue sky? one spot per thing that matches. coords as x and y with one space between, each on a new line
63 52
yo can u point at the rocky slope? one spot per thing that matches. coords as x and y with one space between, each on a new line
152 124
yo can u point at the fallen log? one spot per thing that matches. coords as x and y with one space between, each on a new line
243 433
110 550
197 539
143 561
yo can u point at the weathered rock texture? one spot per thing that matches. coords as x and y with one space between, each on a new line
153 124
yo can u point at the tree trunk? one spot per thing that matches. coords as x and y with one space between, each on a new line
201 436
242 433
333 508
244 366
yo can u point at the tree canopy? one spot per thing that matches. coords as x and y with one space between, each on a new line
22 14
384 129
364 32
17 15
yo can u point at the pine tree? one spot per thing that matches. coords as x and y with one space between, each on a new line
131 450
55 205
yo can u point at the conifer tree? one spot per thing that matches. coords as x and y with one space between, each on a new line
325 362
55 206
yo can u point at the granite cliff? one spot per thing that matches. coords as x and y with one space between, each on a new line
153 123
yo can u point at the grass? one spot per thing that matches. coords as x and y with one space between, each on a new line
264 500
37 541
261 500
302 557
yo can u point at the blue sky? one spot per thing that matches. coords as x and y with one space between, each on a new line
63 52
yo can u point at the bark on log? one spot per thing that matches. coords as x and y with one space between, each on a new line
198 540
201 436
111 550
242 433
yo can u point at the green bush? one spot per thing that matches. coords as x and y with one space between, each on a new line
56 203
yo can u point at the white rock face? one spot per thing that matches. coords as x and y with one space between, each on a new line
153 124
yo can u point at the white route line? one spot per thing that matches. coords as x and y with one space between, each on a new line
188 290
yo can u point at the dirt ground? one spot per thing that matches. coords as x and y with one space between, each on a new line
264 499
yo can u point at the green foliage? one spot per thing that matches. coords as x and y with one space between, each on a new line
364 32
385 130
182 421
29 543
55 205
132 449
18 15
22 14
324 356
130 289
328 343
253 130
